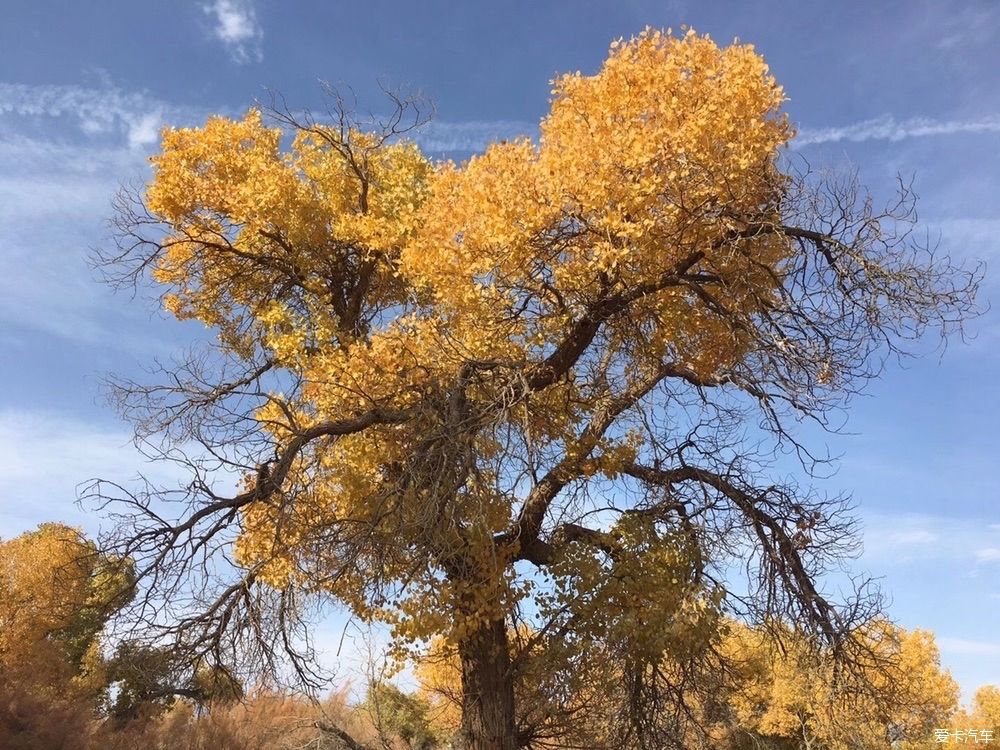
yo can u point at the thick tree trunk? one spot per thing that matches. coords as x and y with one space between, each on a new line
487 690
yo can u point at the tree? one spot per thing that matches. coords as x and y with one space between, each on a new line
57 591
148 680
396 714
765 692
792 697
984 716
986 707
557 703
542 386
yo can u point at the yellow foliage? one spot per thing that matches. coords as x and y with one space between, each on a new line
373 276
896 693
56 593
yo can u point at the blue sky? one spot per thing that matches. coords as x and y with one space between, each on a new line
890 87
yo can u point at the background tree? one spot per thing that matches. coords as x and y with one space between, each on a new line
57 591
544 385
986 708
982 715
57 594
148 680
396 714
790 696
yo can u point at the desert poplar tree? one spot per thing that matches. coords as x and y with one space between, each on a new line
533 393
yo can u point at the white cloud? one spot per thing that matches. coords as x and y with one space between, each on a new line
44 456
887 128
913 536
964 27
474 135
237 28
972 236
890 538
55 199
107 111
988 555
46 223
64 151
146 130
905 538
968 647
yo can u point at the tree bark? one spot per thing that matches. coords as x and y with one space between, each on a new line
487 689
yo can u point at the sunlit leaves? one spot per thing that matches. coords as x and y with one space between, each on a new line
56 594
898 692
376 279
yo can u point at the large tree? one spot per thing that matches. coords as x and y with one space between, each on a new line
541 388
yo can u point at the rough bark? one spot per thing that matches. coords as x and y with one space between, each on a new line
487 690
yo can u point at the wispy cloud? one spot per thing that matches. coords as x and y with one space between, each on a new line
54 199
988 555
443 137
968 647
912 537
48 457
44 456
907 538
887 128
96 111
64 150
237 28
137 117
974 237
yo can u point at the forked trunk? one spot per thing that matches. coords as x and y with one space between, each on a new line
487 690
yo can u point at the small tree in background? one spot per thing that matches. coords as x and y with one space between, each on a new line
57 592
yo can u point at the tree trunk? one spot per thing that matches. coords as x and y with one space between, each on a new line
487 690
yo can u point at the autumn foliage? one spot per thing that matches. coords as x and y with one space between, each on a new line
522 407
776 693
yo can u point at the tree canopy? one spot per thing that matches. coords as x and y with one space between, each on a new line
535 392
57 592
